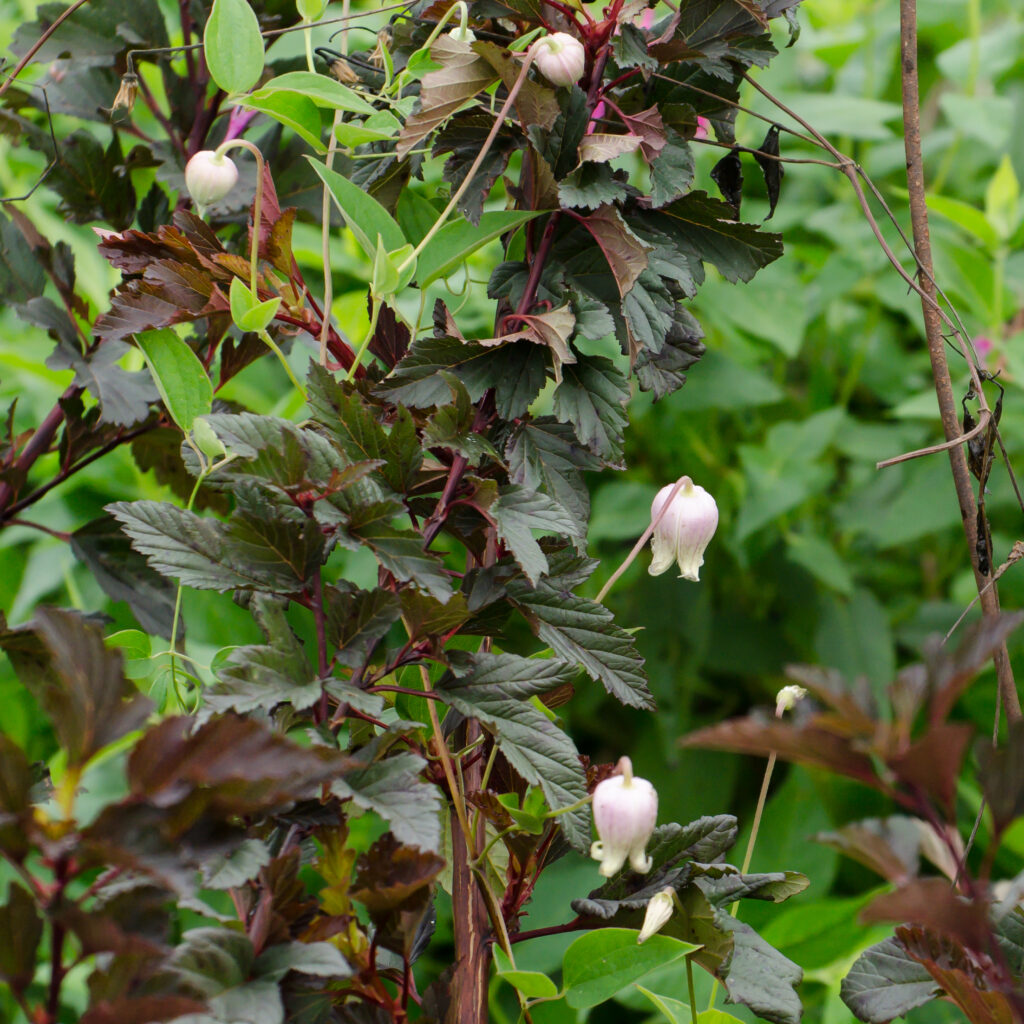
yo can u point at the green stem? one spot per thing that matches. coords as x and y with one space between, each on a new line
361 351
689 985
572 807
272 345
307 38
474 167
257 206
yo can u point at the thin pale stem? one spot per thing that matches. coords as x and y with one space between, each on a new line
639 545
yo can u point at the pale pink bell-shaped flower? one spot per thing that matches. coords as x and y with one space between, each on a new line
659 910
684 531
209 177
625 811
559 57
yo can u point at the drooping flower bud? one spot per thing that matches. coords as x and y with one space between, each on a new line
560 58
659 910
685 529
787 697
209 177
625 810
124 101
462 35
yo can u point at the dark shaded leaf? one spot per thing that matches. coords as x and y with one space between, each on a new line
559 146
207 555
393 882
21 928
239 765
124 574
358 619
727 174
590 186
703 227
237 867
661 371
124 395
22 277
78 682
625 252
545 454
592 397
395 789
772 169
671 171
804 744
1001 774
584 633
517 513
92 182
932 903
889 846
463 137
932 764
495 691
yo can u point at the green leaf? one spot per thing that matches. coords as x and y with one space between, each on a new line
545 454
319 959
183 384
965 216
495 691
233 46
394 789
603 962
399 551
585 634
458 240
885 982
671 171
704 228
237 867
592 397
531 984
383 125
293 110
324 91
365 217
1002 200
517 512
248 313
207 555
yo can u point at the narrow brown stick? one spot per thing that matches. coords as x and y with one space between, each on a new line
989 595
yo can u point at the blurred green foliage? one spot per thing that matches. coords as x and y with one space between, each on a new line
815 371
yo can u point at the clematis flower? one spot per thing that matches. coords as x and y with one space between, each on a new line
559 57
209 177
684 530
625 810
787 697
659 910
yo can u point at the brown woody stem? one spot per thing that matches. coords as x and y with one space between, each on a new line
989 596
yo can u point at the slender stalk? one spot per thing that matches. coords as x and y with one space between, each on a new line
689 985
989 596
639 545
473 168
38 45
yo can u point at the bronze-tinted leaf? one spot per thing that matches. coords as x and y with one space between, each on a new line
934 904
78 682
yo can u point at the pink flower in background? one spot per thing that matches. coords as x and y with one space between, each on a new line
647 18
703 128
983 346
598 113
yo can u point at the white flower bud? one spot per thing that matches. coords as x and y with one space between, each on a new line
659 910
625 810
463 35
787 697
560 58
209 178
684 531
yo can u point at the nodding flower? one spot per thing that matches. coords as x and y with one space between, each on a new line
659 910
625 811
560 58
684 530
209 177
